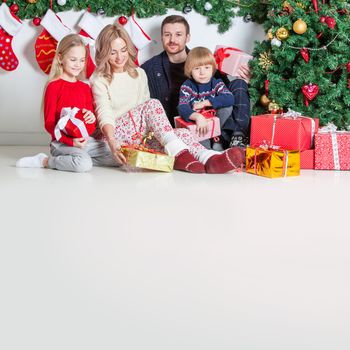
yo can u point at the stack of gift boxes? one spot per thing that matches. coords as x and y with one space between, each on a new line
281 145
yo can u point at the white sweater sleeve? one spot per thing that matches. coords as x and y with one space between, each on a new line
103 102
144 91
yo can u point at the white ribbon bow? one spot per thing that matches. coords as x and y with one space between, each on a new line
330 127
68 114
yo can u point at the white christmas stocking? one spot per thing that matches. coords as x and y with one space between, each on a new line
90 29
46 43
137 34
10 25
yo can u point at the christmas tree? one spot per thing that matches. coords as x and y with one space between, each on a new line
304 63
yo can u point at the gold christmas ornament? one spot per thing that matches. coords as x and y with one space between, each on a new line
269 34
299 26
282 33
265 60
31 1
301 5
264 100
274 107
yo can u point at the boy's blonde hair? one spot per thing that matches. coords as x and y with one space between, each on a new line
68 42
199 56
104 50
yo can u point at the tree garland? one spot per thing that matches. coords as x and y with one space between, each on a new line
218 12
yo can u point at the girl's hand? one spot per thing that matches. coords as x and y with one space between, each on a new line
201 122
244 73
116 152
79 142
197 106
88 116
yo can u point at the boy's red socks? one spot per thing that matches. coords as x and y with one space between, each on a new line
185 161
231 159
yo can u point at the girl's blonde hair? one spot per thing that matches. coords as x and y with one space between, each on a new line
104 50
199 56
68 42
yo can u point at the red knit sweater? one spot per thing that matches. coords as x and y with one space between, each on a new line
59 94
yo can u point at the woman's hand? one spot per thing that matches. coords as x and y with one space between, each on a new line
88 116
244 73
201 122
116 152
79 142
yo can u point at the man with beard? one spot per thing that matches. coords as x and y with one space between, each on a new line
165 73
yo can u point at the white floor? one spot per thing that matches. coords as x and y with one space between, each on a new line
150 261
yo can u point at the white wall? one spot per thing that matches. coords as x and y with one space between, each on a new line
21 90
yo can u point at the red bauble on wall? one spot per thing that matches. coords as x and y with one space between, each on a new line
122 20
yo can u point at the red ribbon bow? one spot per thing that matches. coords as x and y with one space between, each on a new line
221 54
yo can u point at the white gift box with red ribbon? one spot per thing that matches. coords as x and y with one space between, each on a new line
230 59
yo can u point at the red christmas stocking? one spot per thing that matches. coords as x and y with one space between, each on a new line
9 27
90 28
46 43
137 34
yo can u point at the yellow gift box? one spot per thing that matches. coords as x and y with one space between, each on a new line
142 157
272 162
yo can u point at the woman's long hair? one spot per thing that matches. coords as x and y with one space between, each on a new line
104 50
69 41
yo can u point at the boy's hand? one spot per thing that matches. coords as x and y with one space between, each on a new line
197 106
88 116
201 122
79 142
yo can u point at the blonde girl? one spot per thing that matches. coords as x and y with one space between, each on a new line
66 90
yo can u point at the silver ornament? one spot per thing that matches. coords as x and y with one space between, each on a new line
100 11
187 9
208 6
61 2
276 42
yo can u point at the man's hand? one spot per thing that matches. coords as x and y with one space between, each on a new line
244 73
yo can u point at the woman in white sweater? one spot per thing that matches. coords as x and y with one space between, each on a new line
124 109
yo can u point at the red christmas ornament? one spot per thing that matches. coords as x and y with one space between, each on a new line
266 85
14 8
348 67
323 19
122 20
330 21
310 91
305 54
36 21
315 3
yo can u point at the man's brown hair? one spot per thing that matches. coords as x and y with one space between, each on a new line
176 19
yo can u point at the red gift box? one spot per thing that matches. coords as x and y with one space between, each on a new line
72 124
307 159
283 131
332 151
230 59
214 128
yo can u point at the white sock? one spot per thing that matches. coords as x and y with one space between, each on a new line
204 155
173 145
32 162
